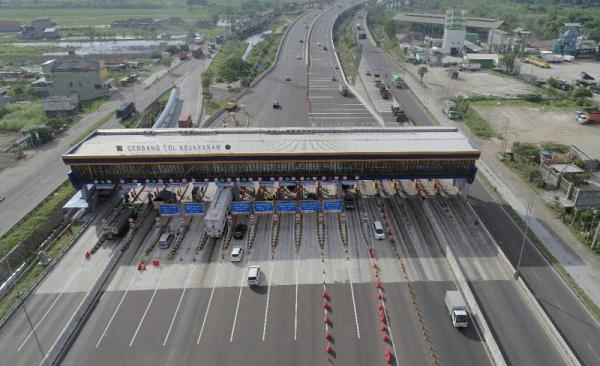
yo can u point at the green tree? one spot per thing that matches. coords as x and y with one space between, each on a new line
206 79
390 28
580 94
508 61
422 71
233 68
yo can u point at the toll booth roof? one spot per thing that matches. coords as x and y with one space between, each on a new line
123 143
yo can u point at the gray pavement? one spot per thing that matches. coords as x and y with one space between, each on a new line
29 182
579 329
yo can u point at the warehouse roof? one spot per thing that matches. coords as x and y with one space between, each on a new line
123 143
441 19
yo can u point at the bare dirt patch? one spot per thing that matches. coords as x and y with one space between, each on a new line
479 83
538 124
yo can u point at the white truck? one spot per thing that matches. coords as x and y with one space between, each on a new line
457 308
215 218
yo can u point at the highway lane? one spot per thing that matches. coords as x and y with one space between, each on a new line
579 329
379 62
29 335
291 94
327 107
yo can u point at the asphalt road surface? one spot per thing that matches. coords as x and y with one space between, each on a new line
579 329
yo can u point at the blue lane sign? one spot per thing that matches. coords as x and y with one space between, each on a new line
332 205
309 205
263 206
195 208
240 207
168 209
286 206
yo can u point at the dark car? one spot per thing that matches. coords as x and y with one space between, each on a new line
239 231
325 48
276 105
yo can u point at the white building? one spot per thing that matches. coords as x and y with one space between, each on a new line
454 33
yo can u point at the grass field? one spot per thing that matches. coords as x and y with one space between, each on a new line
35 218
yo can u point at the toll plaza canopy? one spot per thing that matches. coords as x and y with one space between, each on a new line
270 154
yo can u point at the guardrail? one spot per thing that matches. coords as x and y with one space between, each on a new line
210 120
71 329
13 309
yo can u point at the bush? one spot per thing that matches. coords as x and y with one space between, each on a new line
528 150
533 98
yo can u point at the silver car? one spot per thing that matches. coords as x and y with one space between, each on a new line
236 254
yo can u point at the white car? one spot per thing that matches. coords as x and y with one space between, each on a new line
298 57
253 276
236 254
378 230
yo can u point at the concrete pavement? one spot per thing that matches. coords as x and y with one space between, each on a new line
576 325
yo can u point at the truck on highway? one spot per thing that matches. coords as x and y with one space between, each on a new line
117 223
399 114
457 309
185 121
587 116
450 109
397 81
343 89
349 200
196 51
377 79
125 110
215 218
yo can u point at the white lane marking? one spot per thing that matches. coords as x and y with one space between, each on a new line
75 275
268 296
212 292
145 312
341 118
237 307
353 300
320 97
115 312
179 303
62 331
338 113
296 305
593 351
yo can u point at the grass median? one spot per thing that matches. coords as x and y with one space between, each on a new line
29 278
35 218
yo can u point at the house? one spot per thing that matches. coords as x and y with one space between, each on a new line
10 25
86 79
50 33
60 106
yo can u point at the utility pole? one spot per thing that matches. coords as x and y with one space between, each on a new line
527 217
595 236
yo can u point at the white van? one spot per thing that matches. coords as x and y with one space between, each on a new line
378 230
253 276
